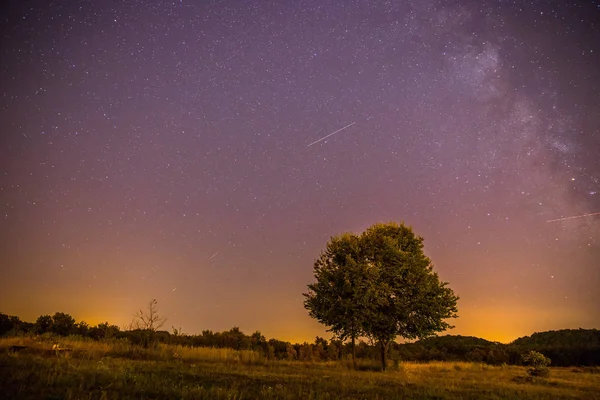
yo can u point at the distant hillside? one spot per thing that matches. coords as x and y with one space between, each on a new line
564 347
453 340
562 338
456 348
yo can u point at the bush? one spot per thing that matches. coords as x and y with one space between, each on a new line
538 364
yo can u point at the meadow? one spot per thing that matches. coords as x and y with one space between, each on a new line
116 369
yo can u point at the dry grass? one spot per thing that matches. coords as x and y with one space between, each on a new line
118 370
461 376
120 348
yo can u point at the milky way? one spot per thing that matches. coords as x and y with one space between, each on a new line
153 146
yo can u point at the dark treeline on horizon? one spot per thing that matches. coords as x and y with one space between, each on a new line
567 347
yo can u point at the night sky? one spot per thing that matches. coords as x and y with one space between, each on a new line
171 150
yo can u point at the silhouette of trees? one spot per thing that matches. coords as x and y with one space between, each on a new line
569 347
290 352
333 350
305 353
43 324
259 342
11 324
5 324
103 331
235 339
144 328
63 324
82 328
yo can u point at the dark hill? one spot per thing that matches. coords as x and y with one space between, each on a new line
454 340
564 347
562 338
454 348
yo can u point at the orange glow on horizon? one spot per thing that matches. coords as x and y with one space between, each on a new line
505 324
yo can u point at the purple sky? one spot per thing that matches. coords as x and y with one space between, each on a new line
166 150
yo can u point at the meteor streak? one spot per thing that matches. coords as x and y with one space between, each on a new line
576 216
213 256
333 133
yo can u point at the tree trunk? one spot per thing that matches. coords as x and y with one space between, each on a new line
353 352
383 346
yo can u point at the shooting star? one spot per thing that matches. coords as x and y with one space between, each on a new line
576 216
333 133
213 256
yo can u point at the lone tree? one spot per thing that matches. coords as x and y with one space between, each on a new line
149 320
381 286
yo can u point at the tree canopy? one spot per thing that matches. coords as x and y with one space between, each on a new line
336 297
380 285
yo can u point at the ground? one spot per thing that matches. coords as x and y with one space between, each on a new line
117 370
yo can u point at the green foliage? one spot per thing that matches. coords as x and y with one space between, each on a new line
406 297
379 284
336 298
538 364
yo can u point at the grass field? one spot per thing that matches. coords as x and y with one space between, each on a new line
117 370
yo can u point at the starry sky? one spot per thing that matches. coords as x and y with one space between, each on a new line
171 150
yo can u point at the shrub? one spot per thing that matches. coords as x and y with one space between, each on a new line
538 364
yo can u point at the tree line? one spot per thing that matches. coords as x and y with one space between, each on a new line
59 324
575 347
144 333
